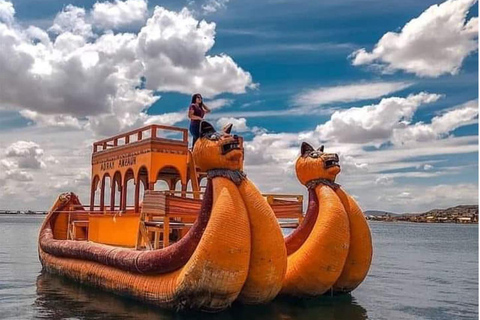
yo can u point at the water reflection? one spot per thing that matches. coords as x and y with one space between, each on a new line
59 298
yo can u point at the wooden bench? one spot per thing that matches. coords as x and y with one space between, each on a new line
77 226
162 213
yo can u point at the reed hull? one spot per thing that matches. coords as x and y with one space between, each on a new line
211 279
317 264
268 257
331 251
360 253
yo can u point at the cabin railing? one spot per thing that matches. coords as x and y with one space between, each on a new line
141 134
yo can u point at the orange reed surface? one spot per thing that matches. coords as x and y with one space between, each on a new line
317 264
360 253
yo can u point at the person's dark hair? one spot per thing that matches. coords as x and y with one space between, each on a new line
194 98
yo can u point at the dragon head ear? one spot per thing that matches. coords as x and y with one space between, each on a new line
228 128
306 148
321 148
206 128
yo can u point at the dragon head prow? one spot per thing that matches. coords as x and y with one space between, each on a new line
218 150
316 164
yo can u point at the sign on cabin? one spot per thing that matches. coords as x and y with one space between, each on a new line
123 162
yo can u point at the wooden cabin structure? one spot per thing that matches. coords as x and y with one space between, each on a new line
145 156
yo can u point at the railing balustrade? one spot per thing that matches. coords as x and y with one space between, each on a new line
141 134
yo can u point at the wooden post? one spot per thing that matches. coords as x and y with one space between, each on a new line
184 190
92 195
270 200
166 231
102 195
137 195
119 184
139 137
127 139
112 195
154 132
123 202
171 184
156 239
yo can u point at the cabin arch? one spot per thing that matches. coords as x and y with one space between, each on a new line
102 189
127 176
93 189
171 175
116 191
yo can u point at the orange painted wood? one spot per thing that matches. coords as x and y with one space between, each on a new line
114 229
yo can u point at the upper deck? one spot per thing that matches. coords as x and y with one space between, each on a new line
141 147
146 155
152 135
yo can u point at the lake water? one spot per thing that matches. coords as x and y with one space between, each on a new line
419 271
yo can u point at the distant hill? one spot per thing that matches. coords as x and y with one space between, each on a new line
458 214
462 210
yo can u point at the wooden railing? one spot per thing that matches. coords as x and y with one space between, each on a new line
286 206
148 132
163 211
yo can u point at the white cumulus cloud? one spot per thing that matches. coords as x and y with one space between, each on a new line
73 20
430 45
25 154
373 123
7 12
117 14
239 124
440 126
106 81
56 120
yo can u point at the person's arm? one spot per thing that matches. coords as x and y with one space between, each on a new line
207 109
191 115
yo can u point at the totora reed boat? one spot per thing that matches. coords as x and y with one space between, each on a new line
210 237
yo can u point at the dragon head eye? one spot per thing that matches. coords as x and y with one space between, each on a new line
214 136
314 154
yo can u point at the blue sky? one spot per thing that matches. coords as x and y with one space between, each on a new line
404 119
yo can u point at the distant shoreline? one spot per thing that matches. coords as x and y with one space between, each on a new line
462 214
22 213
418 222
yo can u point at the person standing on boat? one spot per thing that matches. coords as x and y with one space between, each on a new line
196 111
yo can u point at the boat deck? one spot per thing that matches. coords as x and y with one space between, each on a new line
161 213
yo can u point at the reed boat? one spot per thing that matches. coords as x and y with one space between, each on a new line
331 250
179 228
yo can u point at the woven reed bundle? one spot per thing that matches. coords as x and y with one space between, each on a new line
211 279
332 247
360 252
318 263
268 256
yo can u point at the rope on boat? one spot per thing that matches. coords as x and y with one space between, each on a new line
315 182
236 176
